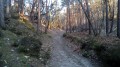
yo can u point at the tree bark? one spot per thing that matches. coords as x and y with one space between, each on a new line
47 20
21 7
2 23
32 11
112 17
88 11
118 21
107 21
89 20
39 18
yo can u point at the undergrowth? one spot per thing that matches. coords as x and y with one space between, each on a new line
105 49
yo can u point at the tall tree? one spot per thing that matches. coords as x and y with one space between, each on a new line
2 24
47 17
88 17
88 11
118 21
107 22
8 5
112 8
68 15
32 10
21 6
39 18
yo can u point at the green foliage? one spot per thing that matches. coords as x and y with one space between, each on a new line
89 44
15 15
16 43
64 35
44 56
86 54
111 56
2 63
7 19
30 46
20 28
1 34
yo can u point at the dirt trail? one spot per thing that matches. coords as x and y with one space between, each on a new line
63 56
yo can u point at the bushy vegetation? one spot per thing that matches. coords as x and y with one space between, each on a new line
15 15
20 28
103 49
30 46
1 62
110 56
1 34
21 43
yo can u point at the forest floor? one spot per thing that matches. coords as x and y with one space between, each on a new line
63 55
10 39
12 58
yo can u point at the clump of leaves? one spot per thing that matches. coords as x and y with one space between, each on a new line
30 46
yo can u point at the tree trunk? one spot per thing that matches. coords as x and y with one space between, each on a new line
47 20
39 18
2 24
89 20
118 21
8 5
21 7
112 18
32 11
107 21
88 11
68 15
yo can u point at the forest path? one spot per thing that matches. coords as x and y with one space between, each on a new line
62 55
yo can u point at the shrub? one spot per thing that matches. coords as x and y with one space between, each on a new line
30 46
1 34
7 19
16 43
2 63
111 56
0 55
64 35
44 56
15 15
19 28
